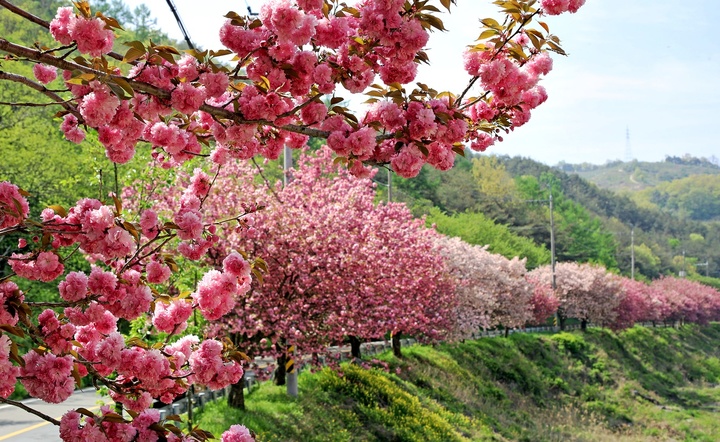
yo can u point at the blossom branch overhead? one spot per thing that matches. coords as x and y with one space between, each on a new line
293 53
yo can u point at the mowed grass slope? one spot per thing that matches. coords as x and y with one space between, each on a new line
642 384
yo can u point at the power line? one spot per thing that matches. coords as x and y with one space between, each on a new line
180 23
250 12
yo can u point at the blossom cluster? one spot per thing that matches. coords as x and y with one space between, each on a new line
292 53
11 297
8 372
13 206
47 376
556 7
90 34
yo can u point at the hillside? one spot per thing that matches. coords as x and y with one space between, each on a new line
592 224
638 175
644 384
696 197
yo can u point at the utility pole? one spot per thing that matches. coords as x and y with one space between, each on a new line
553 281
632 253
552 242
287 165
389 185
291 380
682 272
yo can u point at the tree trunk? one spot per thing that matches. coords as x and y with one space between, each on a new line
355 347
583 324
236 398
280 370
561 322
396 345
507 332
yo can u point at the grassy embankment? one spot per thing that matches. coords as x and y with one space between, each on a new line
639 385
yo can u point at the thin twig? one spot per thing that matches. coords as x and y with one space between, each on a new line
267 183
48 304
7 103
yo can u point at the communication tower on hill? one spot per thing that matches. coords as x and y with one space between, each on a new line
628 149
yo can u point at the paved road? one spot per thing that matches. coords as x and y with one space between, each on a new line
18 425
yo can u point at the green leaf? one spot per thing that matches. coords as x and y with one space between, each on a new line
133 54
124 85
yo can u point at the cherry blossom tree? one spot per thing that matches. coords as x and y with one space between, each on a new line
635 304
586 292
193 107
687 301
338 265
491 289
544 302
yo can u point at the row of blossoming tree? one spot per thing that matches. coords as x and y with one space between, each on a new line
196 108
343 269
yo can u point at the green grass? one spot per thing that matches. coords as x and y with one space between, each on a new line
643 384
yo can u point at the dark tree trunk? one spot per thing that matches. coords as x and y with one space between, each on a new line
280 370
236 398
560 318
396 345
355 347
583 324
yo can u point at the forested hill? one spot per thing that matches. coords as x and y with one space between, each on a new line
591 224
686 187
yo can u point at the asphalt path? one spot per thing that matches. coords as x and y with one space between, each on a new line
17 425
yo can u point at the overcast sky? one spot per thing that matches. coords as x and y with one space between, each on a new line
650 66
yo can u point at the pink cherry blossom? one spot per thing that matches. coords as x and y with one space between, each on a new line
157 273
47 376
237 433
44 74
8 372
172 317
71 130
10 299
13 206
91 36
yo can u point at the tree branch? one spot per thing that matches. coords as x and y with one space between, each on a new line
57 99
237 118
39 21
30 410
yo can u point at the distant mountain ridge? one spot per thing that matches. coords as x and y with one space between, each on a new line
636 175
